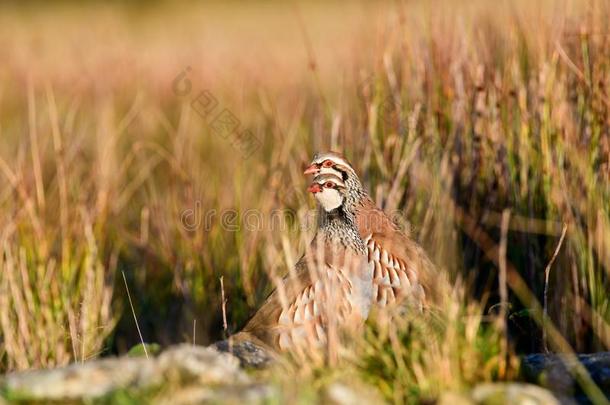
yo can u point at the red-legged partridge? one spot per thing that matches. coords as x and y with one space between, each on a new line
397 261
330 289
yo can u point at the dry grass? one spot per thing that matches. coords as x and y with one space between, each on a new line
451 111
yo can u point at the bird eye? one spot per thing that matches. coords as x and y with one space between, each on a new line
327 163
329 184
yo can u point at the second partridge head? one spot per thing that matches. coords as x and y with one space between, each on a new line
330 162
329 189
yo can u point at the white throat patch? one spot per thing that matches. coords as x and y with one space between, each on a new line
329 199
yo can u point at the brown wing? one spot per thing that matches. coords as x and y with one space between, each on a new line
297 313
305 320
396 260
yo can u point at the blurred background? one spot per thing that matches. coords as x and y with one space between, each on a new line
135 137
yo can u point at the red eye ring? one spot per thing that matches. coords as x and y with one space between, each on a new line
329 184
327 163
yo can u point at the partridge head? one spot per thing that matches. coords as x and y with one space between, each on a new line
329 190
329 162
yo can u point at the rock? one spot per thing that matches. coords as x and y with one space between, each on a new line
227 394
190 363
502 394
550 370
86 380
512 394
248 353
191 374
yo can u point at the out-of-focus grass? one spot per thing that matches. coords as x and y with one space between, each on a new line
451 111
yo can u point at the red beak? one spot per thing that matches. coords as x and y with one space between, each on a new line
314 188
312 169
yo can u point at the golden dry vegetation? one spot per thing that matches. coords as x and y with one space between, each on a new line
486 127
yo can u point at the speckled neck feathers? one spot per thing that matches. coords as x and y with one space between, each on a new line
339 227
355 195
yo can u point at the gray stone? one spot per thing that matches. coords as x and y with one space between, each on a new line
203 365
86 380
508 393
248 353
552 371
192 374
226 394
512 394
